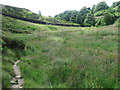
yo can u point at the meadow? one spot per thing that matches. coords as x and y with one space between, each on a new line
61 57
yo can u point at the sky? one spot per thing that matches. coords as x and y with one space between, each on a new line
53 7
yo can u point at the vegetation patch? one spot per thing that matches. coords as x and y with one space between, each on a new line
63 57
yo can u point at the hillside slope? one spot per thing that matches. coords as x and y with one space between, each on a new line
27 14
60 57
19 12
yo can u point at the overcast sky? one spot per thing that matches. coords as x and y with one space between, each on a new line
53 7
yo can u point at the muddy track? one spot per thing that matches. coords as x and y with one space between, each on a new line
17 80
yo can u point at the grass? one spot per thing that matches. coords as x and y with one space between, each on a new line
64 57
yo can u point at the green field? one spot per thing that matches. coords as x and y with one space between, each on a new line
61 57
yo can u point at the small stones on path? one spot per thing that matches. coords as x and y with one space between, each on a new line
17 81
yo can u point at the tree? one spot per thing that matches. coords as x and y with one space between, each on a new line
73 16
93 8
39 13
115 4
68 15
101 6
109 19
82 15
89 20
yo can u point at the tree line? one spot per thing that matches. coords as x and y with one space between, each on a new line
99 15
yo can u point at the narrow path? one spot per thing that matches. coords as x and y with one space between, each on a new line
17 81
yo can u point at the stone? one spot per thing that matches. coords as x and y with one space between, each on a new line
13 82
18 76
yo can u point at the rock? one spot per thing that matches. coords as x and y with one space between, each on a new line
15 86
18 76
20 81
14 79
13 82
20 87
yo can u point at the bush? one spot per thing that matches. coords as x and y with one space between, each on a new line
107 19
90 20
99 22
100 13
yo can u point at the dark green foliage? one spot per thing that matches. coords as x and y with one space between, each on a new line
115 4
101 6
101 12
93 8
82 15
98 22
89 20
117 13
73 16
109 19
68 15
56 20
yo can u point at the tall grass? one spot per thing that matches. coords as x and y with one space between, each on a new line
67 57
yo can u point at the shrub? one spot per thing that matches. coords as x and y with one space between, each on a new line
90 20
109 19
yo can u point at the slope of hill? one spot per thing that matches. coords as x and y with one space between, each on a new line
27 14
19 12
60 57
